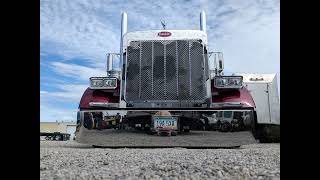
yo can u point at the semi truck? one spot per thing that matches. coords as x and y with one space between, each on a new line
169 83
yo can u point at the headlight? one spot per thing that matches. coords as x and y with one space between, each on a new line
235 81
109 83
228 82
221 82
96 82
103 83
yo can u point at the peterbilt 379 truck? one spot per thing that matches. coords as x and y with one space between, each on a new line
165 86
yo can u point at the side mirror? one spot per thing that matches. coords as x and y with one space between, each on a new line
220 62
111 57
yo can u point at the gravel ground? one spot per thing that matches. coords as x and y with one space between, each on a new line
125 138
70 160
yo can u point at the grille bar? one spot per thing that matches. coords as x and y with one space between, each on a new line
165 71
177 67
140 55
152 59
190 67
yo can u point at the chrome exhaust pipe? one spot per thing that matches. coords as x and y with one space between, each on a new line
124 29
203 23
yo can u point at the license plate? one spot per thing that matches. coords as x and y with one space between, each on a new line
165 122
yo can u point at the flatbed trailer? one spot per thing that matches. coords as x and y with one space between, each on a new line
56 136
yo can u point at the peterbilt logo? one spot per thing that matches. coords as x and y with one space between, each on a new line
164 34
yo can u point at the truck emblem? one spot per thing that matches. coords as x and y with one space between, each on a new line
164 34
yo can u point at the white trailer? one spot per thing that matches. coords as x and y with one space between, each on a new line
264 91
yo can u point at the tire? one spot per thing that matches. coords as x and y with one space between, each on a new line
47 138
234 126
242 125
88 123
206 124
269 134
255 128
218 126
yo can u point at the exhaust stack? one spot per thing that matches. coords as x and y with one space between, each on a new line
124 29
203 23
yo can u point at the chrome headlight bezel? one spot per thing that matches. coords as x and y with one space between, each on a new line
228 82
103 83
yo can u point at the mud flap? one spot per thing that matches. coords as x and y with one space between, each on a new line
270 133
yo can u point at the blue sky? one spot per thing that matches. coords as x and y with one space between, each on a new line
76 35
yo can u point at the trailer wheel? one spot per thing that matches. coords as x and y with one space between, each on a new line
57 138
47 138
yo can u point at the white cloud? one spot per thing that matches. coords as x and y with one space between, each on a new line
50 114
66 93
76 29
244 31
77 71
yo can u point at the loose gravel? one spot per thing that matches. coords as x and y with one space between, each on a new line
71 160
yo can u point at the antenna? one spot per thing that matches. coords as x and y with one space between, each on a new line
163 23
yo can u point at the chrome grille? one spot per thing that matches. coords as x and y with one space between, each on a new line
172 70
